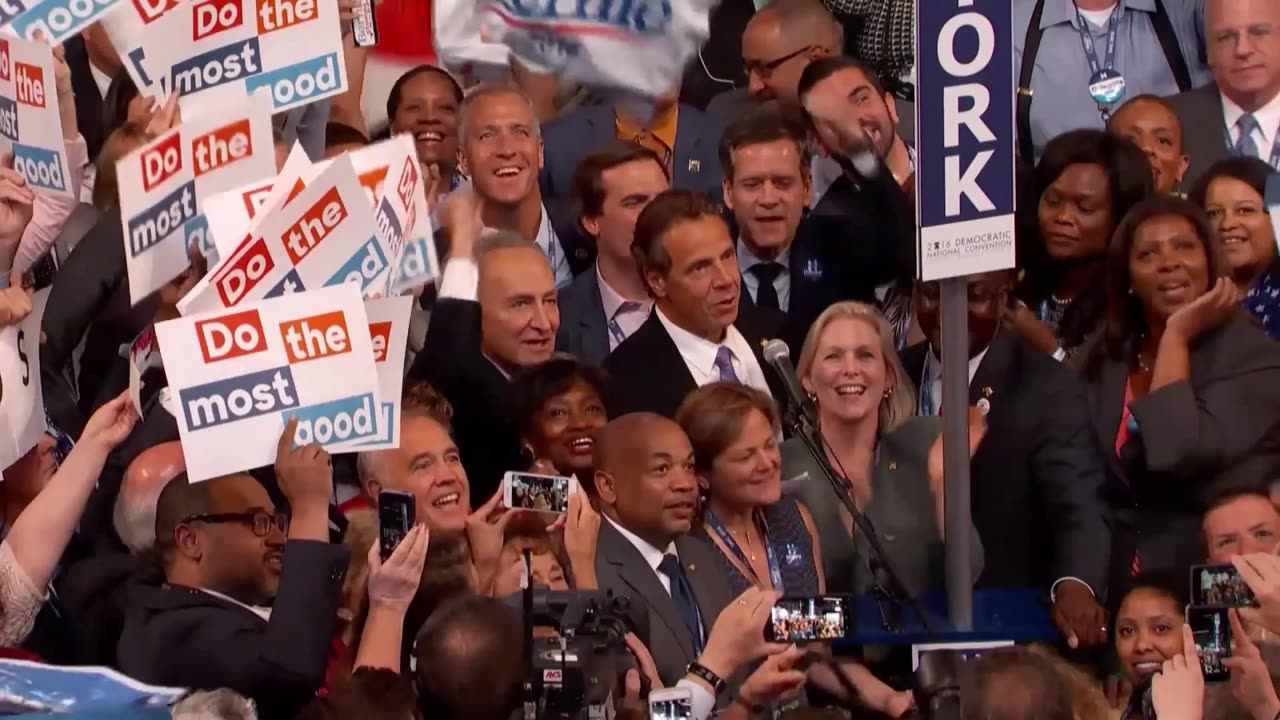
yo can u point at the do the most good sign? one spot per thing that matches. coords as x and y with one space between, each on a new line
29 115
965 136
239 375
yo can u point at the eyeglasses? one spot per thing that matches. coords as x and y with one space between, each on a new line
260 520
765 68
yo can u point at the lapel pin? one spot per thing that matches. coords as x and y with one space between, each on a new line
893 464
984 406
987 391
692 567
695 166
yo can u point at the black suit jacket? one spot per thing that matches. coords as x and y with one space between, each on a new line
621 568
484 426
1036 481
1220 427
188 638
648 374
860 236
89 113
1204 132
584 330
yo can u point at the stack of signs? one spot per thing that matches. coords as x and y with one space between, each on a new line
238 376
52 20
389 332
324 236
29 116
21 400
163 183
233 214
234 47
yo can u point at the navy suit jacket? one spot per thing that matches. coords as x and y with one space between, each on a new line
696 165
584 330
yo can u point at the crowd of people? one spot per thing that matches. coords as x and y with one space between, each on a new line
607 285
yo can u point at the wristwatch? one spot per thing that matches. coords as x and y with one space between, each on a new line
715 681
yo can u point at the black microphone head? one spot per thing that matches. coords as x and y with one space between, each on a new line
774 350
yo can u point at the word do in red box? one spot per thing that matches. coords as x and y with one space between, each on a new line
29 81
315 337
371 181
244 273
255 198
231 336
4 60
276 15
408 181
161 162
152 10
222 147
380 334
214 16
314 226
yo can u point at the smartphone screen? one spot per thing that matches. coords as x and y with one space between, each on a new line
541 493
1220 585
396 514
1212 630
819 618
673 704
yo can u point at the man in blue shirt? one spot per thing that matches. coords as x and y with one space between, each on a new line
1093 54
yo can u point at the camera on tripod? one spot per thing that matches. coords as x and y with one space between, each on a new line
574 676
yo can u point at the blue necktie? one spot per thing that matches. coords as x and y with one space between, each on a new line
724 365
682 596
1245 145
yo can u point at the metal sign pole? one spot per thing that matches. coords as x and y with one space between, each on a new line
955 438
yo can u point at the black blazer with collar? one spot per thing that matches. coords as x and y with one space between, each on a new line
188 638
1036 480
621 568
648 374
584 330
484 426
1219 428
1204 130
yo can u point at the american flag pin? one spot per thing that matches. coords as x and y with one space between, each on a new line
987 391
695 166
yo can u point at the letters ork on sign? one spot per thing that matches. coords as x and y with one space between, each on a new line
965 137
163 185
293 48
30 122
238 375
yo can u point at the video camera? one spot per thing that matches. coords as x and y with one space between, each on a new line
573 676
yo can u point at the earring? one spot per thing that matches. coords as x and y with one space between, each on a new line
813 397
888 392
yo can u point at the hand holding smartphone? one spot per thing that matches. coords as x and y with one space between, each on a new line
1220 585
1211 628
671 704
537 493
817 618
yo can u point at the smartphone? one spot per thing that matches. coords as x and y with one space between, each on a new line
1212 630
1220 585
816 618
540 493
671 704
364 26
396 515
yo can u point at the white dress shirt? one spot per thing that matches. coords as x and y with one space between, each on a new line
781 284
550 244
262 612
700 355
1264 137
626 321
652 555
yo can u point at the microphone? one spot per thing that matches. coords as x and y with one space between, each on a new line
778 357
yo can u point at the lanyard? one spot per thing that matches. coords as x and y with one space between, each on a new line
1275 148
616 331
1100 70
775 573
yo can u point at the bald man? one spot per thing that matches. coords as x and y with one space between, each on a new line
779 43
647 494
135 509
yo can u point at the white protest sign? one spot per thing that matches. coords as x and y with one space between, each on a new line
29 117
389 333
163 183
56 20
125 26
144 354
21 397
239 375
324 236
235 47
232 214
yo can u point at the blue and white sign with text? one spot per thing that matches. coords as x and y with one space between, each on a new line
966 148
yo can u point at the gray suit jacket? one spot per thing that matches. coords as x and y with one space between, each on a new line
584 330
1204 135
621 568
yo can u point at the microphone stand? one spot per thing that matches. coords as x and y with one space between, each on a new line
803 428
